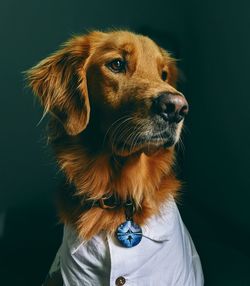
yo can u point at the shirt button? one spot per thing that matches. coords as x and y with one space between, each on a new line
120 281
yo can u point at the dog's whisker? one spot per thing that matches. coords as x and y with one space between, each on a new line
185 129
118 127
131 132
134 142
112 124
180 145
138 134
135 128
110 127
123 133
133 136
117 140
135 139
115 136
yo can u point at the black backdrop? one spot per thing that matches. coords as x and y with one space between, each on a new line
211 39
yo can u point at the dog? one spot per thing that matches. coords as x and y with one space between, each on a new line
115 118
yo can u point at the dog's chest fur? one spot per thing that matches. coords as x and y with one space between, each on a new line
148 180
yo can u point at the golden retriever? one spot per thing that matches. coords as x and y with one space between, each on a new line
115 117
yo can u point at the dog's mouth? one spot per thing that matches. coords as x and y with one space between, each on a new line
132 134
146 142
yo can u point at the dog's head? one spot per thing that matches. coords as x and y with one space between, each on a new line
117 87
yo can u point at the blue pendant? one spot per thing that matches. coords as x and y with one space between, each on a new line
129 234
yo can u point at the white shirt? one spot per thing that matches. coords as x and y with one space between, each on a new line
165 256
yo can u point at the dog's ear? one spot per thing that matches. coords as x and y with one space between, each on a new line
60 83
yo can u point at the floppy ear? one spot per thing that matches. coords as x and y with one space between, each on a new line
60 83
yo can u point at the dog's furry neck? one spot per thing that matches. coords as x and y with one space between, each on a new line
149 180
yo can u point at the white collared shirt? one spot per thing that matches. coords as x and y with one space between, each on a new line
165 256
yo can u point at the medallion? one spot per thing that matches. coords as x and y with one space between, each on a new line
129 234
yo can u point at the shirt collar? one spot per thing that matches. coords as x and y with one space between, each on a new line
160 227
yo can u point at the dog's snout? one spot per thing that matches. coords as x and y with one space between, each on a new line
172 107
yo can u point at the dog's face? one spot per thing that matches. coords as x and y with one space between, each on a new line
118 86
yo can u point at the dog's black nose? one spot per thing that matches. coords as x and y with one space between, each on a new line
172 107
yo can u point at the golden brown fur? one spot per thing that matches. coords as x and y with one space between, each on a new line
97 120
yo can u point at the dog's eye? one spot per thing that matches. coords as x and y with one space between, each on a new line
164 75
117 66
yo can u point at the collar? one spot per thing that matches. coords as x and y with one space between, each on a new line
106 202
110 202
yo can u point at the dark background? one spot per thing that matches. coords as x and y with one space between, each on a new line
212 41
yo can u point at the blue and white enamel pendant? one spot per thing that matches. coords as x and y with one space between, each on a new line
129 234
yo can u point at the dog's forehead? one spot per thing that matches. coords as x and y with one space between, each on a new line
130 43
